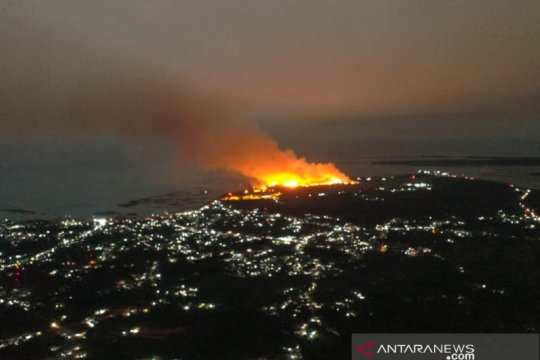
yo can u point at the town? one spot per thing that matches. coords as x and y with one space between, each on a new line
286 274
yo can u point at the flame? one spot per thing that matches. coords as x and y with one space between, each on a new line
298 173
307 175
220 140
288 170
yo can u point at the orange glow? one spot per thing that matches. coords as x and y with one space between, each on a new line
272 196
243 148
283 169
307 174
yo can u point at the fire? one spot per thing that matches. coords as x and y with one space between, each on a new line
305 178
221 142
300 173
297 172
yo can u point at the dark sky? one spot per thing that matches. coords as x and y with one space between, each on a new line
281 58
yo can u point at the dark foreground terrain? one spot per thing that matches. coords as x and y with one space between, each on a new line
290 277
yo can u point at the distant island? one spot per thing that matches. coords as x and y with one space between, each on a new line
466 161
18 211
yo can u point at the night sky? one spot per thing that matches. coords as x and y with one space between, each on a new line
310 57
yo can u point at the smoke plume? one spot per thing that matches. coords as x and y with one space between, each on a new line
68 69
204 129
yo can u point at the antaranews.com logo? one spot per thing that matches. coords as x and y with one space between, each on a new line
445 346
452 351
